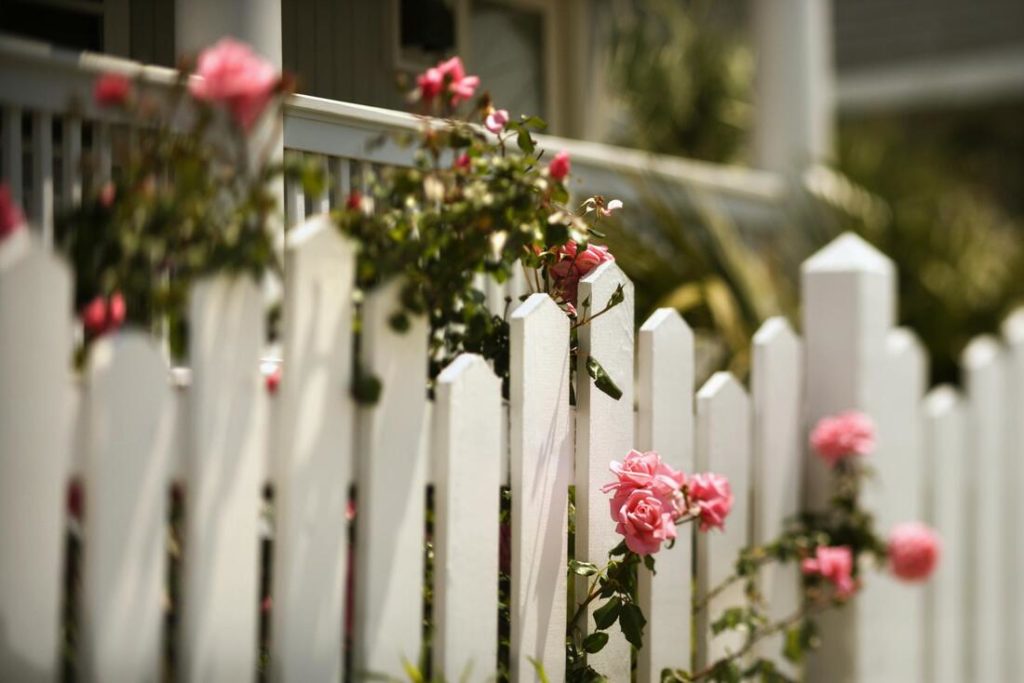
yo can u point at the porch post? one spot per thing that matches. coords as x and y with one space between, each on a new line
794 96
199 23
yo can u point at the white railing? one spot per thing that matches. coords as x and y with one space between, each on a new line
950 459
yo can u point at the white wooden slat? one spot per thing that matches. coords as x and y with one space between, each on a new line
723 447
313 468
42 174
295 203
664 390
849 306
10 168
391 489
985 370
130 435
71 159
945 439
541 469
604 432
777 399
340 181
1013 334
35 432
322 204
224 477
516 287
467 500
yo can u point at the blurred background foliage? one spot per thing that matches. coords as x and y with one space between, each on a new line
937 191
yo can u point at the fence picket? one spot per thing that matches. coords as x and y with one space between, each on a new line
1013 334
71 160
891 638
541 469
604 432
224 476
392 471
985 370
848 295
945 439
776 396
723 447
11 161
42 174
130 436
665 424
313 455
35 433
467 499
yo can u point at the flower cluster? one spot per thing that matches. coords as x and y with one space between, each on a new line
835 564
842 436
447 80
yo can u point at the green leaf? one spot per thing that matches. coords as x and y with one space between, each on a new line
525 141
366 388
632 622
595 641
535 122
730 619
606 614
583 568
617 297
538 668
649 563
620 549
601 378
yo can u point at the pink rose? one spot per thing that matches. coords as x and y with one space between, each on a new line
835 564
462 162
230 73
711 494
573 264
560 166
101 315
913 551
430 83
11 217
496 120
843 435
646 471
111 90
273 380
449 75
645 521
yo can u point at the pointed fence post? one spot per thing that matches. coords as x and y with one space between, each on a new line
665 424
849 301
604 432
313 455
777 393
1013 335
723 447
541 470
467 502
35 433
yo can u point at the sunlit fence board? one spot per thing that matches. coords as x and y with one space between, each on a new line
130 434
313 455
723 447
35 432
946 467
541 464
664 393
776 395
224 476
392 472
467 499
1013 335
604 432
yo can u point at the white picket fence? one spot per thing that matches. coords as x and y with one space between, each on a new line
129 434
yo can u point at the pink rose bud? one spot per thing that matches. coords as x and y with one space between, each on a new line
613 205
94 316
273 380
835 564
842 436
496 120
11 217
645 522
573 264
231 74
712 495
463 162
112 90
354 200
560 166
116 311
914 551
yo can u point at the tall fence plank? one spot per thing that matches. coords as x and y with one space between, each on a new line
467 501
604 432
11 160
664 389
1013 334
723 447
776 395
313 456
130 435
848 293
35 433
392 472
945 439
541 469
42 174
71 162
985 375
892 611
224 476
